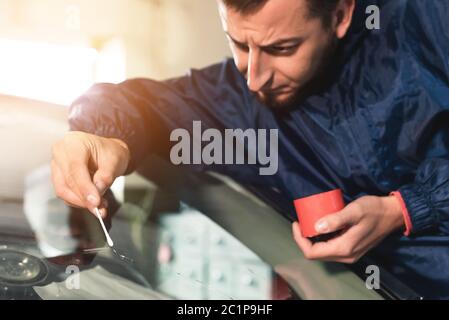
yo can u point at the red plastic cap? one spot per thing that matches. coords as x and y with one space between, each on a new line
313 208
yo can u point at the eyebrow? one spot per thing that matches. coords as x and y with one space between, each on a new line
274 44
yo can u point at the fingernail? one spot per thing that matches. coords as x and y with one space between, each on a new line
92 199
322 226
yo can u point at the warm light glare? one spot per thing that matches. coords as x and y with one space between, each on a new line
45 72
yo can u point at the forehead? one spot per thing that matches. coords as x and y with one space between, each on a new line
274 19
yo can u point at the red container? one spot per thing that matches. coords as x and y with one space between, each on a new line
313 208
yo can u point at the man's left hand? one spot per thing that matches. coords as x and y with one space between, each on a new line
363 224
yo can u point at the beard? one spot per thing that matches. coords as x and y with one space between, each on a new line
272 100
317 81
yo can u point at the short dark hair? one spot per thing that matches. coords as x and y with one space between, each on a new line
317 8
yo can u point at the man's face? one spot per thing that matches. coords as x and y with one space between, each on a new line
277 47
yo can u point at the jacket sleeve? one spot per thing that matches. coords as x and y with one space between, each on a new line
427 198
142 112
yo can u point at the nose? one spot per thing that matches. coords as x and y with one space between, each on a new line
258 72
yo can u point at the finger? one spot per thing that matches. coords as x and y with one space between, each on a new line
80 181
342 260
303 243
103 179
103 212
341 247
337 221
107 171
69 204
323 251
61 188
74 169
104 203
72 199
369 241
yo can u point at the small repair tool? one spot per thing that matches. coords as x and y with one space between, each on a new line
108 238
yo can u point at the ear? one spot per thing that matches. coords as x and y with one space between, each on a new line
343 17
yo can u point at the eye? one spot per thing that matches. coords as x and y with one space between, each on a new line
241 46
281 49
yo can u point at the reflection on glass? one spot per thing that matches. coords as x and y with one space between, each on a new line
163 249
200 260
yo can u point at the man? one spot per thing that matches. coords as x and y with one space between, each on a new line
362 110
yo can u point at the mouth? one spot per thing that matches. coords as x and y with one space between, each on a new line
277 91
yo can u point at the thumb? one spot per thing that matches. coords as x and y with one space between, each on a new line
79 178
103 179
110 165
334 222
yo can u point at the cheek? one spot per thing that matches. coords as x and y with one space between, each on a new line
293 69
302 66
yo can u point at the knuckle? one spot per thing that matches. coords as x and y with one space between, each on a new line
107 178
60 193
346 251
335 221
349 217
70 183
307 255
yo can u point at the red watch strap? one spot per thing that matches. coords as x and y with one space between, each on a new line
405 214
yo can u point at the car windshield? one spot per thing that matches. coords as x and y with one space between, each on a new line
163 249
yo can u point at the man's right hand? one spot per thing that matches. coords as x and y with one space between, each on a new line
84 166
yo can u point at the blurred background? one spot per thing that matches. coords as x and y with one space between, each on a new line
51 51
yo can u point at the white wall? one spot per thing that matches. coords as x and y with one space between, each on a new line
162 38
191 35
27 131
